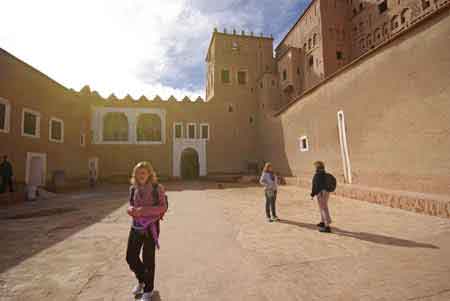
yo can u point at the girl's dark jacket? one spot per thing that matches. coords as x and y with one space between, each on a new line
319 182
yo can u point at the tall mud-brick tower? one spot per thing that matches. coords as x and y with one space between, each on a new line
235 64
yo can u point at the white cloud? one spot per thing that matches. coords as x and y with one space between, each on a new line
138 47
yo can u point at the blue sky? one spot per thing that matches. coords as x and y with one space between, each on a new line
139 47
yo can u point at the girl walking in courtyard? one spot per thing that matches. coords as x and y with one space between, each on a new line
321 187
147 207
270 182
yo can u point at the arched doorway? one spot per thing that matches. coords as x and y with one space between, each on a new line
190 167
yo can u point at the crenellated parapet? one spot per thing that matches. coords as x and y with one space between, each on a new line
242 33
94 97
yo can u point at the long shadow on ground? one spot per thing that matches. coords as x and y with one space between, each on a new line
28 229
370 237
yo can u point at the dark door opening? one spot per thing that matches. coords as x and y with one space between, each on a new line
190 168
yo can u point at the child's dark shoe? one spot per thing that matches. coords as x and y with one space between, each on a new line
320 225
326 229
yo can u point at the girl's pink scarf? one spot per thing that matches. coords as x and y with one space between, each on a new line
143 197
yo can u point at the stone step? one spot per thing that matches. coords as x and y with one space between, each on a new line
425 203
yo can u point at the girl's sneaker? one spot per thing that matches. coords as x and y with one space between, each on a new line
321 225
147 296
325 229
138 289
269 220
276 219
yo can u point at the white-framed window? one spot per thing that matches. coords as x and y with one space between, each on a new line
304 144
31 123
178 130
56 130
204 131
225 76
83 139
148 128
192 130
5 115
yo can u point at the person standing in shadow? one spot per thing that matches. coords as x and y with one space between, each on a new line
6 172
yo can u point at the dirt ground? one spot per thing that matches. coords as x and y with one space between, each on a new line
217 245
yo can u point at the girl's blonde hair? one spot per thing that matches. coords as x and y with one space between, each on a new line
266 166
143 165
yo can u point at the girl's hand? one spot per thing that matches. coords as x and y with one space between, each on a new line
137 211
130 211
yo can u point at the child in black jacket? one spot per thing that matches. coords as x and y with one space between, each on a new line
319 189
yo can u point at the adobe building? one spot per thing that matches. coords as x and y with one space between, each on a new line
360 84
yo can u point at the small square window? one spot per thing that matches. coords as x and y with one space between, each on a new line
304 144
230 108
2 116
251 120
339 55
192 129
204 131
382 7
284 74
5 111
56 130
178 130
242 77
31 123
83 140
225 76
311 61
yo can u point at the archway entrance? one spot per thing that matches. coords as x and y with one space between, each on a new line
190 167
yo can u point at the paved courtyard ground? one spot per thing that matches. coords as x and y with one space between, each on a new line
217 245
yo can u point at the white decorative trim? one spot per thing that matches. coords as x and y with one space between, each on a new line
38 123
195 130
175 124
132 115
50 130
28 166
7 104
344 147
179 145
300 140
201 131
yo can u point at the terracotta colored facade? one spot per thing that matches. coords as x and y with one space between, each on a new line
359 106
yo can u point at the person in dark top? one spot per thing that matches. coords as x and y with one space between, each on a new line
319 189
6 173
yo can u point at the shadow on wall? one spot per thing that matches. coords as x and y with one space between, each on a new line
272 144
370 237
